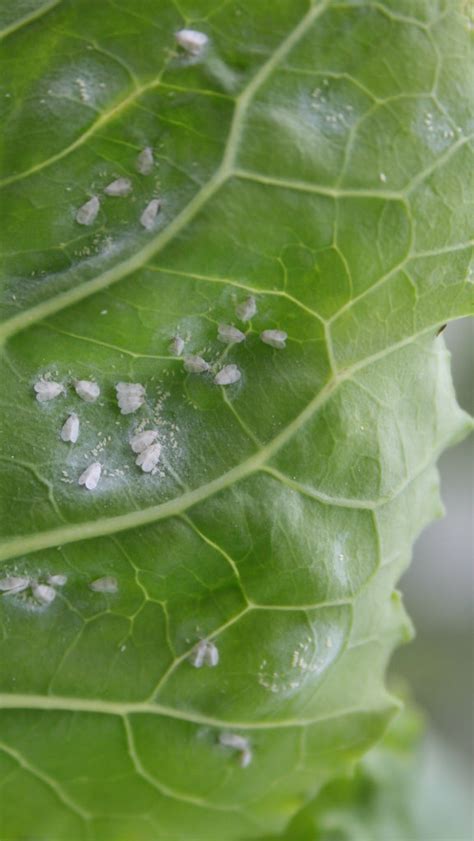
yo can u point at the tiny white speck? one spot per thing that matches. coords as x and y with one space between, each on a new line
195 365
148 217
192 41
87 390
145 161
119 187
228 375
103 312
70 430
383 177
229 335
14 584
143 440
44 593
47 390
57 580
91 475
130 396
205 653
149 458
107 584
176 346
87 214
247 309
274 338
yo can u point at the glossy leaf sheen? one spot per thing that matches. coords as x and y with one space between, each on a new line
314 157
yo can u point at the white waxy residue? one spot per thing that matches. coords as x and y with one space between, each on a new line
191 40
130 396
148 217
87 390
195 364
176 346
87 214
91 475
47 390
205 653
228 375
274 338
142 440
43 593
229 335
149 458
247 309
240 744
71 428
14 584
57 580
107 584
145 161
119 187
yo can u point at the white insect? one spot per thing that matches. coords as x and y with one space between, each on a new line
229 335
205 653
247 309
192 41
87 214
120 187
87 390
91 475
149 458
274 338
14 584
195 364
228 375
176 346
57 580
148 217
240 744
145 161
107 584
130 396
44 593
142 440
47 390
70 430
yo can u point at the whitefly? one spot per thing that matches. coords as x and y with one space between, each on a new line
106 584
91 476
191 40
142 440
70 429
87 390
228 375
247 309
43 593
145 161
274 338
14 584
195 365
149 458
240 744
47 390
119 187
57 580
130 396
148 217
205 653
176 346
87 214
229 335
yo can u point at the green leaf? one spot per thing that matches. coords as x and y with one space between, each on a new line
316 158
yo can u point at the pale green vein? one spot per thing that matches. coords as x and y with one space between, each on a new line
318 189
317 496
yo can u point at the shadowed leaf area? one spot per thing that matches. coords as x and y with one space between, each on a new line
301 169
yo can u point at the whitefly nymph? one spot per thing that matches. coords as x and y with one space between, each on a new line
191 40
228 375
148 458
229 335
274 338
195 365
247 309
130 396
205 653
91 476
70 429
87 390
107 584
47 390
87 214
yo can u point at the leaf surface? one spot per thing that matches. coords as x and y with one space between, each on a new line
317 159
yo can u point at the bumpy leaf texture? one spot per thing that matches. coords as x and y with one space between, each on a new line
314 156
